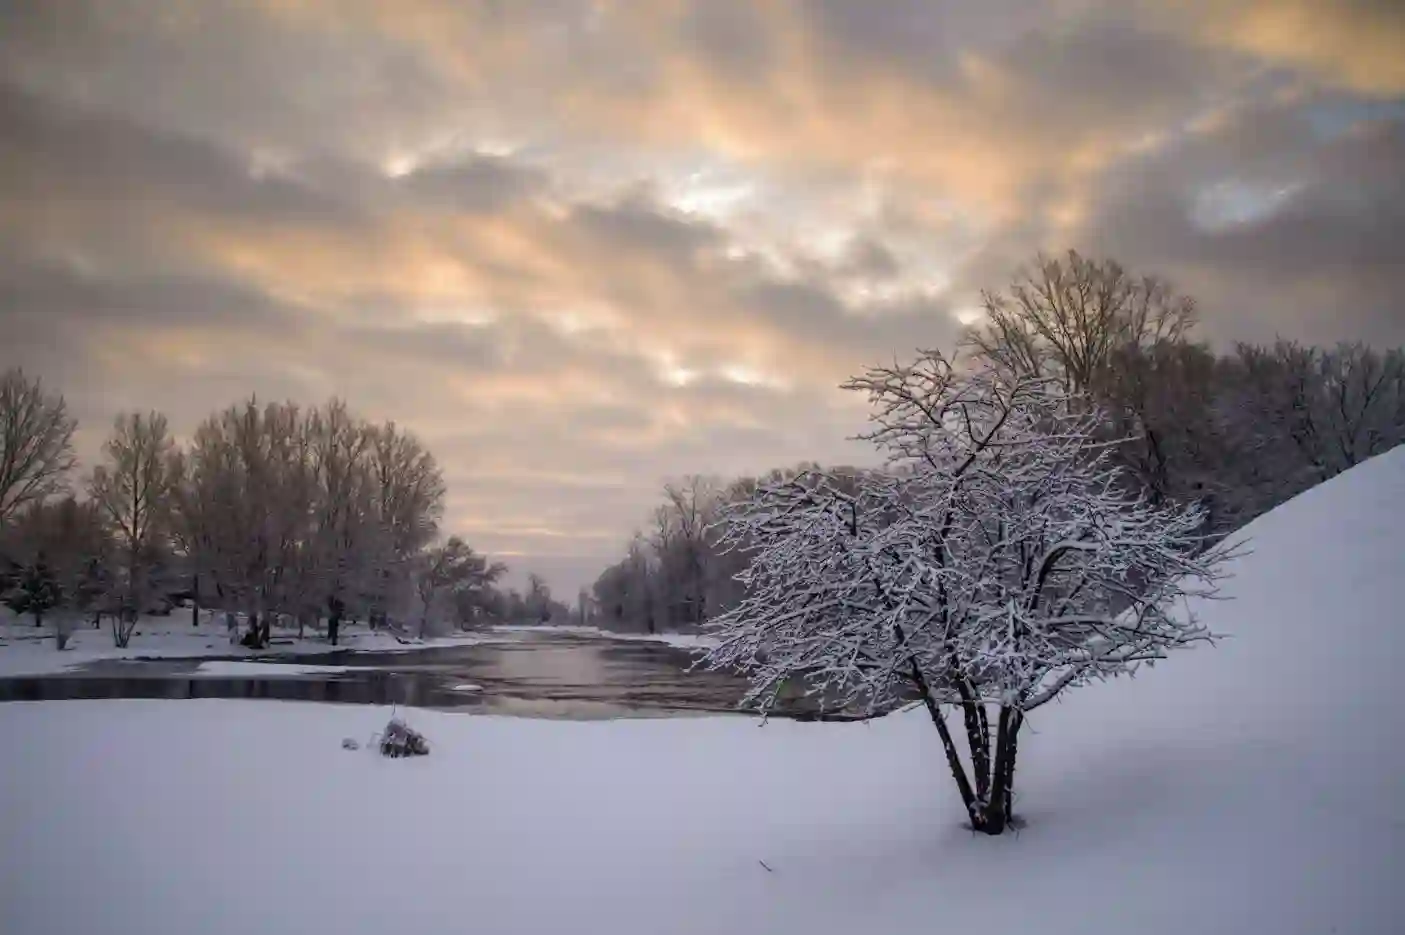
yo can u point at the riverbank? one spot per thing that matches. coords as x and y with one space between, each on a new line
29 650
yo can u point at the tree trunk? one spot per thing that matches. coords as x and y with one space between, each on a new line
977 738
998 812
195 600
253 638
266 633
953 756
333 624
38 618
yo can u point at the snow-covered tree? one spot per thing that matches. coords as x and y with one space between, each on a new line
998 562
132 489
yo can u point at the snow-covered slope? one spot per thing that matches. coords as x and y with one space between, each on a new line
1253 787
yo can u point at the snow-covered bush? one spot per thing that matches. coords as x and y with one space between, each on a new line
996 563
399 739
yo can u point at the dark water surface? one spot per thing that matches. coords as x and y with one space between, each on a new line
537 674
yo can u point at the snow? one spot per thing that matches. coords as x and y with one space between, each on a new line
1251 787
238 668
679 640
29 650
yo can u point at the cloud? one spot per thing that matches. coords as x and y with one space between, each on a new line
1353 45
583 247
1306 240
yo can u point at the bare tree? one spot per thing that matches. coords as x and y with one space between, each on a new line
36 443
408 498
537 601
132 490
343 524
683 546
1067 317
998 563
456 571
1165 407
1304 414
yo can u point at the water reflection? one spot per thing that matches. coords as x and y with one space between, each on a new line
542 675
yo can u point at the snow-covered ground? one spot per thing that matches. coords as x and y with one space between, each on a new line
255 669
29 650
1252 787
680 640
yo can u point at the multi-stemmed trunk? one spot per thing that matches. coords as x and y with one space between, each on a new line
989 799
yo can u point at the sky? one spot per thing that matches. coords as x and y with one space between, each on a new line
583 247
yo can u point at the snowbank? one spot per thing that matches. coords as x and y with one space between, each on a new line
680 640
232 667
29 650
1252 787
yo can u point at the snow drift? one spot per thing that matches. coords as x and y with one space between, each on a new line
1251 787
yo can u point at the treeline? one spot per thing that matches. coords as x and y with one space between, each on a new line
271 512
1238 430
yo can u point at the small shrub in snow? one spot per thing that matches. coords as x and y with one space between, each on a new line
399 739
997 563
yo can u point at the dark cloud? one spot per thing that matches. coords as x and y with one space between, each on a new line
640 225
56 297
476 184
870 258
55 150
730 36
1313 241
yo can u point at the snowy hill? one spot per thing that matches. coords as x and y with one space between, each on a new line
1252 787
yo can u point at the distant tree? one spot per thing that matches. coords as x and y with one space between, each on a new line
37 592
1066 317
583 607
999 562
36 443
407 496
132 489
537 602
1167 410
684 548
452 570
345 542
70 538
